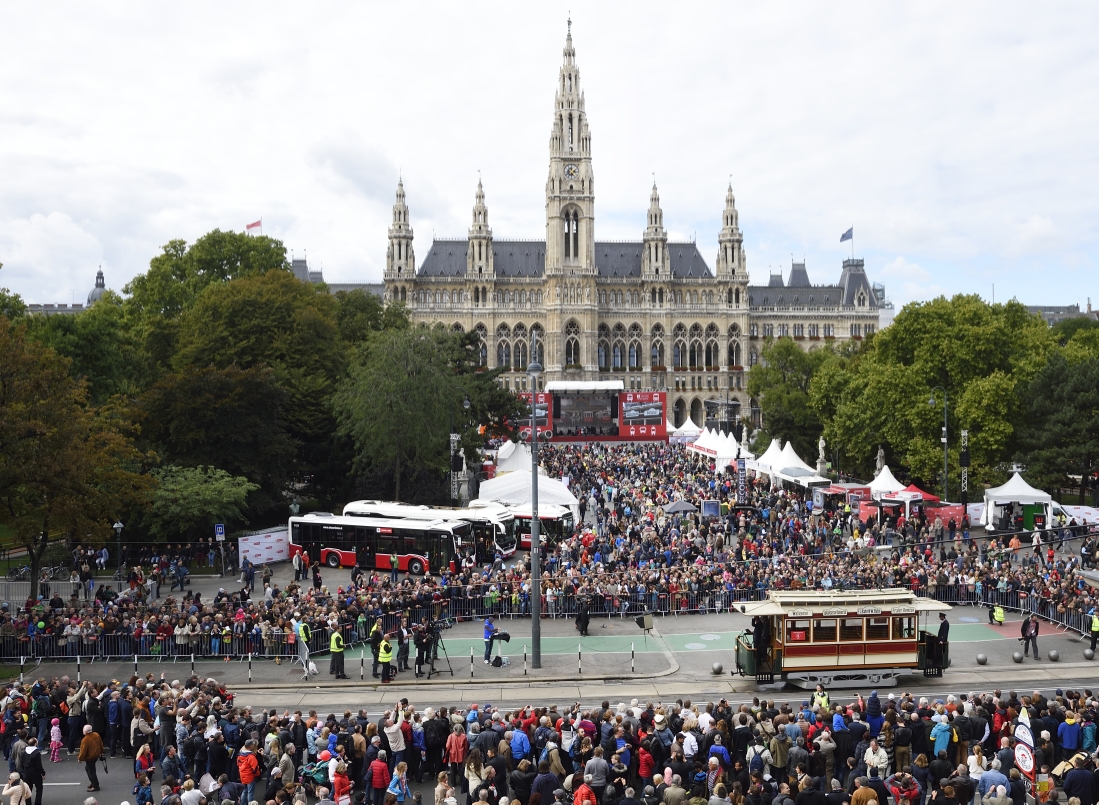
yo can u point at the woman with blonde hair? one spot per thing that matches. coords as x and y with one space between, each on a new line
474 772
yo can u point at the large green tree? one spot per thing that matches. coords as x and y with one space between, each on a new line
406 390
101 346
64 467
981 355
780 381
1061 436
189 501
230 418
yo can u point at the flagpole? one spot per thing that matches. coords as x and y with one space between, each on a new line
852 238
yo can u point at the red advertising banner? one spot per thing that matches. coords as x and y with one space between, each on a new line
642 415
543 401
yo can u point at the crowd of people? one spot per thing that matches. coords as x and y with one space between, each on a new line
627 554
190 745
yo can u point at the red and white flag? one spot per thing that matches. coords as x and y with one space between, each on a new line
255 225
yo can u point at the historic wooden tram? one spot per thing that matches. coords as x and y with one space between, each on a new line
841 638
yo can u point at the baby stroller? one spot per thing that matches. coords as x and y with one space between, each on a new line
312 775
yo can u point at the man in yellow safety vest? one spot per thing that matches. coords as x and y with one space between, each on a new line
385 658
1094 627
335 645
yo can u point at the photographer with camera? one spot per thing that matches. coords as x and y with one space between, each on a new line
422 638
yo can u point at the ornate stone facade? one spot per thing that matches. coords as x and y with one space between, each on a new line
650 313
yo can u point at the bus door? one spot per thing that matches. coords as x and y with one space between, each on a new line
484 535
365 547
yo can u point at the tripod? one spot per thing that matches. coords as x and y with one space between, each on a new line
436 644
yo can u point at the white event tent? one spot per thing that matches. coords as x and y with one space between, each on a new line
765 463
884 484
515 488
790 467
1015 491
512 457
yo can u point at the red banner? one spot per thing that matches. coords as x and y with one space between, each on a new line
543 401
642 415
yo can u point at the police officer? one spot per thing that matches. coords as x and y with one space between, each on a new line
385 658
1094 627
996 615
335 645
820 698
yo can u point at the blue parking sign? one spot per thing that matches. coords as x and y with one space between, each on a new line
219 532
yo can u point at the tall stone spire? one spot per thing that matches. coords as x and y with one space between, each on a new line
400 260
479 262
570 188
730 253
654 255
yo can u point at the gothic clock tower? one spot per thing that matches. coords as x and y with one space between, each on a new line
570 189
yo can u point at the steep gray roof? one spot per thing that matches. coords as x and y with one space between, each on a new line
815 296
376 288
527 258
799 277
852 280
775 281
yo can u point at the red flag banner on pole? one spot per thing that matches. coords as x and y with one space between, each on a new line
254 225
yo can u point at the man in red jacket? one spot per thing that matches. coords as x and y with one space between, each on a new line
248 766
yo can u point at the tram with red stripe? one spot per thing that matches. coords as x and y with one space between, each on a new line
841 638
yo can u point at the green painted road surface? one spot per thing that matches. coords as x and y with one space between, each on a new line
608 644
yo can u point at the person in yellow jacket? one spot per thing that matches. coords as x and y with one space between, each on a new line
385 658
1094 627
335 646
820 698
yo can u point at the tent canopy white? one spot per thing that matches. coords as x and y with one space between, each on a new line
789 467
687 428
885 483
770 458
513 457
515 487
1016 490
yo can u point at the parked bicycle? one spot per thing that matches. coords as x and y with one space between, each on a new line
47 571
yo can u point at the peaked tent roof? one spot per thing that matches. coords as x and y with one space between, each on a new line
771 456
885 483
688 427
925 495
515 487
1016 490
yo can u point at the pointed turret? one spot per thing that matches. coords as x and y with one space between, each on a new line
730 255
479 263
654 254
400 260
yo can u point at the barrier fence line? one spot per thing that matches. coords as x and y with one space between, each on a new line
473 603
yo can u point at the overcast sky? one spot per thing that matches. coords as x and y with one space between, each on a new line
960 140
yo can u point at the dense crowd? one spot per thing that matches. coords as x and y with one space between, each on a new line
627 554
189 744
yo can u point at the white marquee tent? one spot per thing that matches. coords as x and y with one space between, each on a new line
514 457
1016 490
765 463
515 487
688 428
790 467
884 484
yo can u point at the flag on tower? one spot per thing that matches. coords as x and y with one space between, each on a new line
254 225
848 235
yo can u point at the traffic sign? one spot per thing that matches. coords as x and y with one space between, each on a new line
219 532
1024 759
1024 735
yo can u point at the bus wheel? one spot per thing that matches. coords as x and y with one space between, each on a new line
416 567
333 560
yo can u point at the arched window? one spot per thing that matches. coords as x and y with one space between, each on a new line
403 298
734 353
476 296
603 355
482 351
635 355
660 296
519 355
657 353
503 354
653 299
572 344
736 296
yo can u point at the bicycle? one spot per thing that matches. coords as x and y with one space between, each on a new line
17 573
47 572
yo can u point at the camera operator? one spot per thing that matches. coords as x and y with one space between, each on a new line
422 637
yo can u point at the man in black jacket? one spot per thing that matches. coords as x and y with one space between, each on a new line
29 766
1080 783
1029 631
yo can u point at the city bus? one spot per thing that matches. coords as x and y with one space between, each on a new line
493 526
555 523
422 546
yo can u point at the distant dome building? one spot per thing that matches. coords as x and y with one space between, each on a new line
96 293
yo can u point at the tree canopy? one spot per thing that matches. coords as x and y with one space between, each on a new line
780 381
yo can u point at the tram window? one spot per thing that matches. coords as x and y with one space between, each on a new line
824 631
797 631
877 628
851 629
904 628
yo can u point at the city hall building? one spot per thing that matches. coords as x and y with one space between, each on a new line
650 313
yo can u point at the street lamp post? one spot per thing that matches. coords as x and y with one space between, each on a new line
118 533
945 436
534 368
